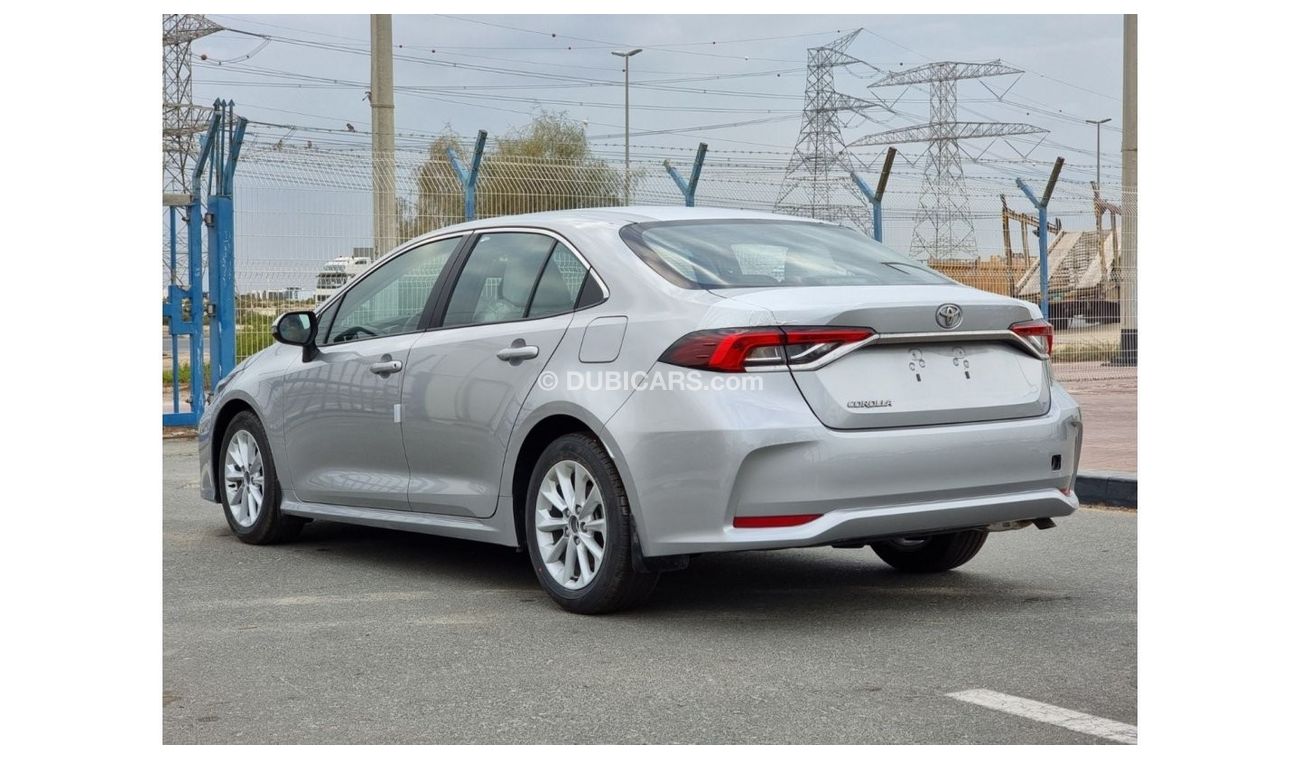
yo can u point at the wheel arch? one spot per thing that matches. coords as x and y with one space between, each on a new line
540 434
221 422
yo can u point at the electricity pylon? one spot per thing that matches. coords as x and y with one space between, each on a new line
944 227
181 119
821 162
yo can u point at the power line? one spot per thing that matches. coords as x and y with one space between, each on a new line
478 95
665 48
564 80
505 98
600 46
702 128
1081 88
316 82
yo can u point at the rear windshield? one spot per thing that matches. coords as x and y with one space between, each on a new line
757 253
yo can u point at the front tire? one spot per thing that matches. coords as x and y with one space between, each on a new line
250 491
931 554
579 529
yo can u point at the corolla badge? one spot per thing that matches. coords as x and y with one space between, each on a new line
871 404
948 316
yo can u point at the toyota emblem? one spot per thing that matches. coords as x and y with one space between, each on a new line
948 316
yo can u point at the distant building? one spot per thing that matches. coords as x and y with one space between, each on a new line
289 293
340 271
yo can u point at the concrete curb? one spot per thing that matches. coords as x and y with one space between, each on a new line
1118 489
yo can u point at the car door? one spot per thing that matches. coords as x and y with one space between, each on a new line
468 378
342 422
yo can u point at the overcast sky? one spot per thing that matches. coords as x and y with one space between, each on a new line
696 79
474 74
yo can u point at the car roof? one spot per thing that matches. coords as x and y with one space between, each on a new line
615 216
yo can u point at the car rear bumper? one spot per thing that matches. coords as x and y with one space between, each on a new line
874 523
694 461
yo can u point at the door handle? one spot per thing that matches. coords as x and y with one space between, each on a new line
517 353
386 368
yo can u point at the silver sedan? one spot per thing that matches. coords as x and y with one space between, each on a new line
618 390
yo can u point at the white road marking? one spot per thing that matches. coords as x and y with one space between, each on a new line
1045 713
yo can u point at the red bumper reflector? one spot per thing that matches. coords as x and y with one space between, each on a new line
773 521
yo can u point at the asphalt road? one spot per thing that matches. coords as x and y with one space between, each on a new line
364 635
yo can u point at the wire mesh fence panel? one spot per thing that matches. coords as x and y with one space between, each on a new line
304 221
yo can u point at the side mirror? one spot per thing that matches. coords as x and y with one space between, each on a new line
297 328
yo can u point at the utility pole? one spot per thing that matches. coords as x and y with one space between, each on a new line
1006 244
1128 290
383 159
626 55
1096 186
1098 124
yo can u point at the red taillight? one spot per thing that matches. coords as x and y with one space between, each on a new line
773 521
1038 331
736 349
721 350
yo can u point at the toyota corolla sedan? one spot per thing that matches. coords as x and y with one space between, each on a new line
618 390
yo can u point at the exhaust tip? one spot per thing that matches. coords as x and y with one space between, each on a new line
1043 523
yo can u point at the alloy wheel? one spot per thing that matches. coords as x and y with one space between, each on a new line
244 478
570 524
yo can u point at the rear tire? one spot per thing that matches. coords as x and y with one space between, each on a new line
250 491
583 554
932 554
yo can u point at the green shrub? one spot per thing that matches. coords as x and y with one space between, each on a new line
252 334
186 375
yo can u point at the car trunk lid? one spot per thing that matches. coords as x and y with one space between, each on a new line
916 371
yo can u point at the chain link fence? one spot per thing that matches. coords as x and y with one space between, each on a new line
304 223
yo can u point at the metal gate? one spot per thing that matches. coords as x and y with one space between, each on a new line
188 308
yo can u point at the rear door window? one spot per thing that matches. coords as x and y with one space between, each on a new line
497 281
560 283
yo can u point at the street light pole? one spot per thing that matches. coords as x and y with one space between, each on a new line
1096 189
626 55
1098 123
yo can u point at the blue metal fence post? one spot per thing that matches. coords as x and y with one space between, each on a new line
875 198
469 178
221 252
1041 205
221 286
687 188
172 313
178 322
195 252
